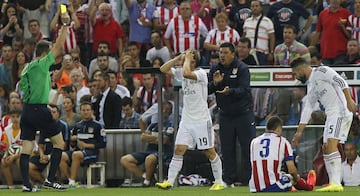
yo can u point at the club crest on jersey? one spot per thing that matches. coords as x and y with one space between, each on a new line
102 132
234 73
90 130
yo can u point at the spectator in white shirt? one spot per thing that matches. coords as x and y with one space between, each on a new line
351 166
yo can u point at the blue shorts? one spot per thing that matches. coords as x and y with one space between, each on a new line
141 156
36 161
37 117
283 185
90 156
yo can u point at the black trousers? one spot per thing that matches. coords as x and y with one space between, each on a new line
240 128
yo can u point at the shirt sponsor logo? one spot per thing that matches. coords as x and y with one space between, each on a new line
283 76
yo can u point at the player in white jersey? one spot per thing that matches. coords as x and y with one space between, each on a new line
195 129
267 152
331 90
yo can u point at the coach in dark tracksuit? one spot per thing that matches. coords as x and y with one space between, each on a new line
230 81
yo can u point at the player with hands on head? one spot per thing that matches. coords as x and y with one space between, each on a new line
328 88
195 129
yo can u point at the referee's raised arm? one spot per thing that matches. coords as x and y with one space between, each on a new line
57 46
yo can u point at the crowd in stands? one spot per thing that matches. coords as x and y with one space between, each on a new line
106 37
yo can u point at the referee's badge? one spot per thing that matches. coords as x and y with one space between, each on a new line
90 130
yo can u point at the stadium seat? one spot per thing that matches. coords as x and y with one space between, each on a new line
96 165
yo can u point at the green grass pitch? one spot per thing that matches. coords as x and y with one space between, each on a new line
177 191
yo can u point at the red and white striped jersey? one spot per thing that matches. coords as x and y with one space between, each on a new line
267 152
354 27
165 14
70 42
185 34
217 37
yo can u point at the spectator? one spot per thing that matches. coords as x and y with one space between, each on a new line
230 81
352 54
15 103
316 59
351 166
75 56
56 23
134 52
150 135
331 90
119 89
13 141
6 66
108 104
105 28
103 47
270 148
19 63
265 36
353 26
11 24
243 51
184 31
354 133
239 12
158 50
140 19
17 44
331 26
223 33
69 115
77 81
62 77
4 98
90 137
288 12
163 14
34 29
291 49
147 94
94 89
131 117
39 162
29 47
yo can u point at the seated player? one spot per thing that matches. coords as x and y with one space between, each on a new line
90 136
267 152
149 135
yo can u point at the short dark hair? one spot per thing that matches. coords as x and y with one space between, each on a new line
298 62
273 123
103 54
228 45
126 101
56 107
41 47
104 75
86 103
111 72
104 42
133 43
156 31
245 40
34 20
288 26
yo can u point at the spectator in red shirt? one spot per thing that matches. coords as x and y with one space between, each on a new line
105 28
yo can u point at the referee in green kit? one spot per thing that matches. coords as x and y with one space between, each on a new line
36 116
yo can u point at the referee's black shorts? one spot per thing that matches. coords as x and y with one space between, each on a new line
37 117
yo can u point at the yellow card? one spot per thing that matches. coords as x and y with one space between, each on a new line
63 9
